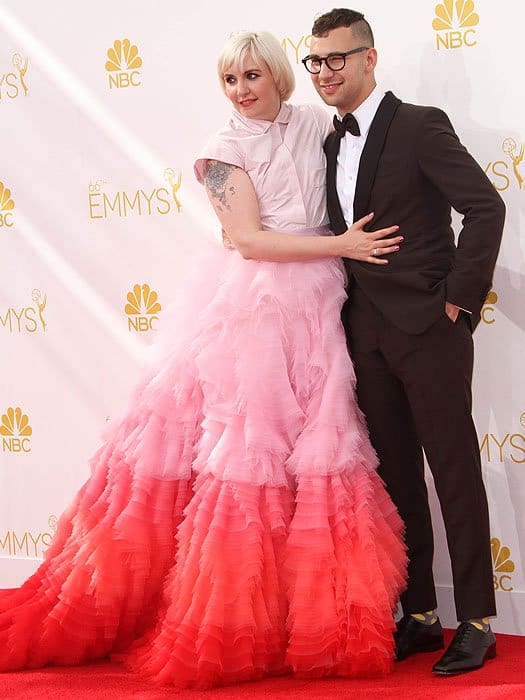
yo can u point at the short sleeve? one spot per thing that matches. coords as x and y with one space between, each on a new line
323 120
221 148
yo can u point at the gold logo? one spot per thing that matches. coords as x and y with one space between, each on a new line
15 431
7 206
511 446
510 149
27 318
142 201
174 179
502 172
123 64
503 566
454 22
10 83
487 312
28 544
142 308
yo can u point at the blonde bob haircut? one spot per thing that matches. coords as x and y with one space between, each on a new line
262 47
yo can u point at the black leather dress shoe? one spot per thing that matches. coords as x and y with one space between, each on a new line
413 637
468 651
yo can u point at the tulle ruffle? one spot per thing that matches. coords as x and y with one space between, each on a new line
233 525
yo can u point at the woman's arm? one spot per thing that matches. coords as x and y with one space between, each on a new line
233 198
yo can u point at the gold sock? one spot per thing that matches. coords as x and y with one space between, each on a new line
480 623
426 618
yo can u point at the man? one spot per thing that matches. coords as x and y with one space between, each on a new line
410 322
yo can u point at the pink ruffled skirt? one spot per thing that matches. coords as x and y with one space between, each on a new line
233 525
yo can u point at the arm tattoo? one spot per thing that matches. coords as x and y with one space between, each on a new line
216 179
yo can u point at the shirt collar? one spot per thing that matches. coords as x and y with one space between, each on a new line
366 111
261 126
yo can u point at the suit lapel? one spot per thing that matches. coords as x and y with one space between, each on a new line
372 152
331 148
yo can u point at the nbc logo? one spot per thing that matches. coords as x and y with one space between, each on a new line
13 84
503 566
487 312
15 431
454 22
142 308
7 206
122 64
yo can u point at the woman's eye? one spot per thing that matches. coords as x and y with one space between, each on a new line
252 76
229 80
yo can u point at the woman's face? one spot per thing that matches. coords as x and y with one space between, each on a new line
251 89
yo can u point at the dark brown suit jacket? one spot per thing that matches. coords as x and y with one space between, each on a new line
413 169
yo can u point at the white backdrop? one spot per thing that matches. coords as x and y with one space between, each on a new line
97 199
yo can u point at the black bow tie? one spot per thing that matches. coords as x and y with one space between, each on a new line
347 123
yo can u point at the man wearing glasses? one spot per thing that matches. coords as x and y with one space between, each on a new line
410 322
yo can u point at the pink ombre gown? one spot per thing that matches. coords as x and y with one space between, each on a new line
233 525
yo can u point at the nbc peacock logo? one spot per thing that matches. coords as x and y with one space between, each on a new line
454 23
142 308
487 312
7 207
15 431
503 566
123 64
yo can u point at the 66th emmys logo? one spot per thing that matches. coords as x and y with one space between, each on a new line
506 173
503 566
454 22
29 543
498 448
7 207
143 201
15 431
142 308
123 64
13 84
26 319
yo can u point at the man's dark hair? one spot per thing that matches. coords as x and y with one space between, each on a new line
344 18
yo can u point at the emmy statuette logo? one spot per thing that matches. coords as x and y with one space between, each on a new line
142 308
26 319
505 174
454 24
503 566
13 84
7 207
123 64
15 431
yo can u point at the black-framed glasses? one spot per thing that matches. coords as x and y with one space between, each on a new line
334 61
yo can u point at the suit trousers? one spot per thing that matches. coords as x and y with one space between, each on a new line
415 392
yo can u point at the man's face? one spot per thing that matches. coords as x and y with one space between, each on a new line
345 89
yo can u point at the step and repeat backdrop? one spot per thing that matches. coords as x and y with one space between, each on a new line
103 109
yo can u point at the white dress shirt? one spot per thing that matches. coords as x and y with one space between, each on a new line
350 153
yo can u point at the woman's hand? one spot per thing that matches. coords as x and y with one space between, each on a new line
368 246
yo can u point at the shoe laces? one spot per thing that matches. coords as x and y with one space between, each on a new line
463 634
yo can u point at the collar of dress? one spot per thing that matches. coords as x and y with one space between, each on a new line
261 126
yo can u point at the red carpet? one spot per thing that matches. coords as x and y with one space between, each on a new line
501 679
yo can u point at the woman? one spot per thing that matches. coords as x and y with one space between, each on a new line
245 445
